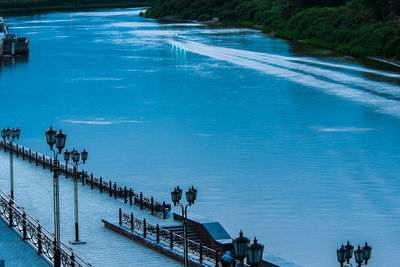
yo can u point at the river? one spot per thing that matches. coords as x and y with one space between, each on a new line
296 145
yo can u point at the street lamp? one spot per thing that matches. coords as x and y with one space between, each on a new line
10 135
75 156
255 253
58 139
361 255
191 196
240 245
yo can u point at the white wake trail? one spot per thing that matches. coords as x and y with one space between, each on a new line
243 58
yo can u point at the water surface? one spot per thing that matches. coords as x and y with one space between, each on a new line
295 145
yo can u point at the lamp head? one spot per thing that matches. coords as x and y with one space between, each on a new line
341 254
367 252
75 156
254 253
176 195
60 140
359 255
51 137
349 251
84 155
191 195
17 133
240 245
66 155
3 133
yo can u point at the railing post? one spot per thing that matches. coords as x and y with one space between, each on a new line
72 259
57 255
158 233
125 195
23 226
216 259
110 188
101 185
130 196
144 227
23 153
115 190
44 162
152 206
30 156
39 240
171 240
132 224
201 252
36 158
120 217
141 200
10 217
91 181
163 210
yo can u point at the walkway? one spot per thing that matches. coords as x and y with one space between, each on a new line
33 191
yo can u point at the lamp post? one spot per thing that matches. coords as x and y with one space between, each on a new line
75 156
10 135
361 255
58 139
191 196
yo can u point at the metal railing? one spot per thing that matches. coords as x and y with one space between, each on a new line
104 186
32 232
197 251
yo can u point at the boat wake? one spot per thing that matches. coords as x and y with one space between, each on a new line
337 79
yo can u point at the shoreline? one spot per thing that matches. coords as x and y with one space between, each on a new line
11 12
169 18
217 22
387 61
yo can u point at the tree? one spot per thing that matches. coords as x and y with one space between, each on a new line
395 6
380 8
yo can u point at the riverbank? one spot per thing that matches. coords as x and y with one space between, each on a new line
36 9
216 22
350 28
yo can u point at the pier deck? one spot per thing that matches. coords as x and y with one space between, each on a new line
33 191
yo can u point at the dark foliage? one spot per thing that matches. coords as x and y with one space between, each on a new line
28 6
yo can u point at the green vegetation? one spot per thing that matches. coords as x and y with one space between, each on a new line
10 7
355 27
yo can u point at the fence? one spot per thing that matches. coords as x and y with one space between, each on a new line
30 230
197 251
104 186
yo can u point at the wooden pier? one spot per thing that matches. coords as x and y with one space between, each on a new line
166 238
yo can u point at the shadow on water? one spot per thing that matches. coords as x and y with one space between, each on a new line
301 49
9 60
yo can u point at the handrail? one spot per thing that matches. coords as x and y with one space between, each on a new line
33 232
201 252
128 195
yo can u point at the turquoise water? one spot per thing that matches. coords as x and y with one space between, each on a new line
295 145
